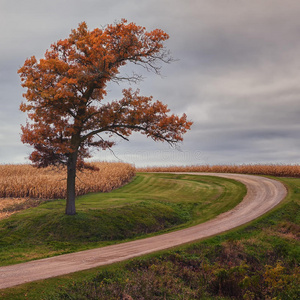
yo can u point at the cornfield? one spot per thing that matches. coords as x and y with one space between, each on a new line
26 181
273 170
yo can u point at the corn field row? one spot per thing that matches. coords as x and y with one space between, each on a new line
273 170
26 181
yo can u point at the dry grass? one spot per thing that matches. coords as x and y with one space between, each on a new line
273 170
9 206
25 181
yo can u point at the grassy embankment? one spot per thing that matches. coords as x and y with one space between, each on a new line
149 204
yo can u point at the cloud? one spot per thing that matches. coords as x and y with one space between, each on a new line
236 76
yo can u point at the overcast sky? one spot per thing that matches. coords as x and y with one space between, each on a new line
237 76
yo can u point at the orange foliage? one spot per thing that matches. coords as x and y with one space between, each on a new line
66 88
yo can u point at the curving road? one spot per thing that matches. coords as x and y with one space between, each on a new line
262 195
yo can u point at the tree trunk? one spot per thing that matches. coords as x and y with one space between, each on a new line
71 176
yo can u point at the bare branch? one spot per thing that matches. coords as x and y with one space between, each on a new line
120 135
111 151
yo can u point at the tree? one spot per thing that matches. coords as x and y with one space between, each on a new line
66 88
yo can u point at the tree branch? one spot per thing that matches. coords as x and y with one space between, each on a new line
112 128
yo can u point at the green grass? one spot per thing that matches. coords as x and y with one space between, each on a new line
259 260
151 204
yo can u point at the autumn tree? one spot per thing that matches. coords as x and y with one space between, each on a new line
65 97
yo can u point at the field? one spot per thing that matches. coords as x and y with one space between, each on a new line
26 186
228 266
257 261
151 203
22 181
272 170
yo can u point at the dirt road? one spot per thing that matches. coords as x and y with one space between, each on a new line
262 195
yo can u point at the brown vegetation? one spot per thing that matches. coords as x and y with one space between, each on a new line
9 206
26 181
257 169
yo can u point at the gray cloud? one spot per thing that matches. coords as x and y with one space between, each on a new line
236 76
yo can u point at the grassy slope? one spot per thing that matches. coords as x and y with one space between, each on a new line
260 259
151 203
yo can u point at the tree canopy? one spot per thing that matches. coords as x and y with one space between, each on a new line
66 91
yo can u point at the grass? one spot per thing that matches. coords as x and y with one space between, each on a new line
259 260
151 203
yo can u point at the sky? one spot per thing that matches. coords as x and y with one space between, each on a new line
236 75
